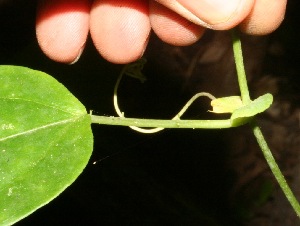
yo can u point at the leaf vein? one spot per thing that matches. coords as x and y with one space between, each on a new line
39 128
46 105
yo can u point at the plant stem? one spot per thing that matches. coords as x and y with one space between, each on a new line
135 70
241 74
274 167
195 124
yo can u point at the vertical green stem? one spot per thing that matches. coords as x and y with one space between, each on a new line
274 168
238 56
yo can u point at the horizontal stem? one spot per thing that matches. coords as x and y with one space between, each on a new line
149 123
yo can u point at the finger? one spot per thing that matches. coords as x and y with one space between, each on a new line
171 27
120 29
213 14
265 17
62 27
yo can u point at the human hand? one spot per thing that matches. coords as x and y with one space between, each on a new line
120 28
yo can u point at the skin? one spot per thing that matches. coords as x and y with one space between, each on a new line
120 29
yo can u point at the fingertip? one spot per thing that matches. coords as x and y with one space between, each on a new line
265 17
213 14
123 37
172 28
62 28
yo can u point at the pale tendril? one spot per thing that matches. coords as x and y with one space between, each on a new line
135 70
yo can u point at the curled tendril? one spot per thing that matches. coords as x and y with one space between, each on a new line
135 70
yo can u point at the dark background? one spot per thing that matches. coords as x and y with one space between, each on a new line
175 177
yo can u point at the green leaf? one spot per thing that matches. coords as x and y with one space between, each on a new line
45 141
255 107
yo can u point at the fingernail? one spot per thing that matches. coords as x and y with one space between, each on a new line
78 56
212 11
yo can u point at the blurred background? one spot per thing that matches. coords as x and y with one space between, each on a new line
175 177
